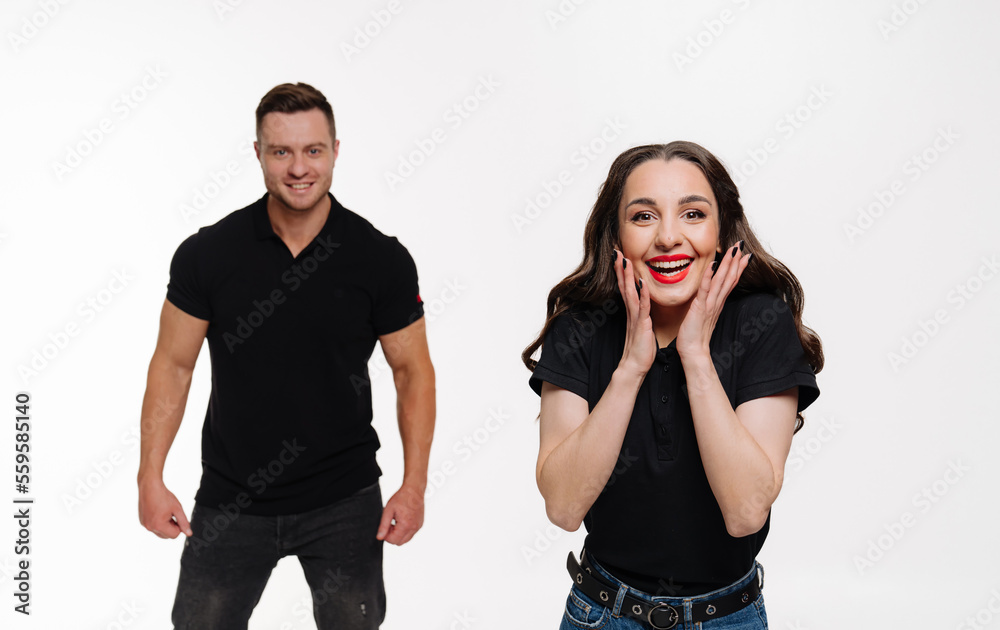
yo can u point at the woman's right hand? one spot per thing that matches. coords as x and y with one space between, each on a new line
640 341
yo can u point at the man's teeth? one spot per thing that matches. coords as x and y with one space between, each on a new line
301 186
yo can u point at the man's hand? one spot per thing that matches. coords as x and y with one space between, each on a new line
160 512
403 516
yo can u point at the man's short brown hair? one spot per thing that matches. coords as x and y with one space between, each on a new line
288 98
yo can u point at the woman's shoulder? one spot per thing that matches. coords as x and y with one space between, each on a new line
598 315
754 305
582 323
748 317
755 302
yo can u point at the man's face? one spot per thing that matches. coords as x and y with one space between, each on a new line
297 155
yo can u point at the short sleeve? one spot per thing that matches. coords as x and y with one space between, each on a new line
398 302
771 356
186 289
565 360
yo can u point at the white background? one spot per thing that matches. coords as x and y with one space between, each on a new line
736 77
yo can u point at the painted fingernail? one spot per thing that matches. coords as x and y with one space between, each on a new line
735 249
749 257
640 284
715 263
624 262
614 256
740 245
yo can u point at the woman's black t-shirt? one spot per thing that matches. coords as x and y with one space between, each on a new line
656 525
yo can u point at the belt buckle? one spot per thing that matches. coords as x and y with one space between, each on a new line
672 616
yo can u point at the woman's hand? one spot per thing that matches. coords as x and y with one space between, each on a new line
695 331
640 341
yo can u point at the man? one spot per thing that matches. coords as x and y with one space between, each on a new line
292 293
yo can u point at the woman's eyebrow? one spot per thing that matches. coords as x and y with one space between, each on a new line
692 198
645 201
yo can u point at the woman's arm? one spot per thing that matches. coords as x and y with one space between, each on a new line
743 450
578 448
578 451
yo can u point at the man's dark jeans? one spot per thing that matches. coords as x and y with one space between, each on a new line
226 564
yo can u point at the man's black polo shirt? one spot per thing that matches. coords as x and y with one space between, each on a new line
289 418
656 524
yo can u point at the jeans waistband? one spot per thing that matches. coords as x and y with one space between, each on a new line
755 573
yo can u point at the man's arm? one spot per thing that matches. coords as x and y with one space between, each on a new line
407 354
167 385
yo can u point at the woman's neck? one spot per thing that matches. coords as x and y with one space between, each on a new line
667 321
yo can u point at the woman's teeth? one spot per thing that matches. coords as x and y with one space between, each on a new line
669 268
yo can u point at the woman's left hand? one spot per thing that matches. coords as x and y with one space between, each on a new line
695 331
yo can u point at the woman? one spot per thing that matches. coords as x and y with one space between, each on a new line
673 369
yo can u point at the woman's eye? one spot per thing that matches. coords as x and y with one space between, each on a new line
642 216
694 214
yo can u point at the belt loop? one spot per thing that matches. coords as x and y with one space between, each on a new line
622 591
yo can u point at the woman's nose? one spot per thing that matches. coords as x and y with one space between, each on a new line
668 234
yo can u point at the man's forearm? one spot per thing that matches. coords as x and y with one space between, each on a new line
415 408
163 405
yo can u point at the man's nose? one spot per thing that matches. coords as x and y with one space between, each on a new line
298 166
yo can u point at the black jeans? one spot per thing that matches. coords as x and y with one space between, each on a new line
227 562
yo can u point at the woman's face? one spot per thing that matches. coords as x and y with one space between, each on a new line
669 227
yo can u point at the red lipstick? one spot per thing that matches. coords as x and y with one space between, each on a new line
673 278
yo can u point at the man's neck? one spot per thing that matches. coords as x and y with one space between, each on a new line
294 227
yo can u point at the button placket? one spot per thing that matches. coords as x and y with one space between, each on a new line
662 404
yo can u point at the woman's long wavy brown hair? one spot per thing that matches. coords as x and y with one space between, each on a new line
593 282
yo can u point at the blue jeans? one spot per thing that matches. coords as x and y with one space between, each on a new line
227 562
583 612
